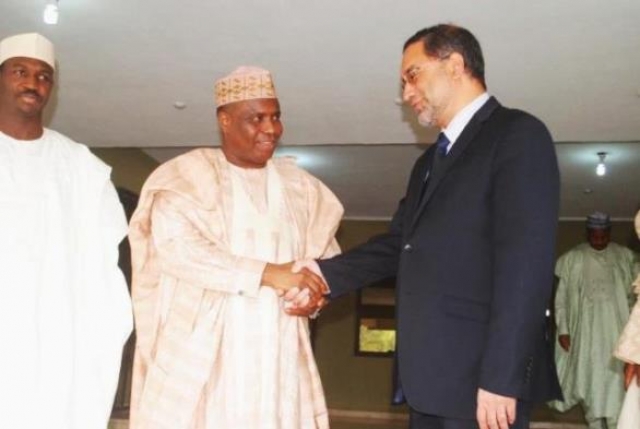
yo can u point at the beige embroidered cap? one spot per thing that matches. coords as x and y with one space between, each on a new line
28 45
244 83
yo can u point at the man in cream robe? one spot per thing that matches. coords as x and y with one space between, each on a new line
64 308
628 351
215 345
592 306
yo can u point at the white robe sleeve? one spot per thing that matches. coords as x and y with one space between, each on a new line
105 317
562 299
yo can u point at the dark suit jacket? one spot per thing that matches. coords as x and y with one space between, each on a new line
474 263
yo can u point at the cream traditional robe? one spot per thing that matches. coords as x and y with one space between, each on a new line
592 306
215 350
65 312
628 350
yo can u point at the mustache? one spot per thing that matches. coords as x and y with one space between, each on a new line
31 92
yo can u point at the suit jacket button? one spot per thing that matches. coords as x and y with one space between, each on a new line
407 248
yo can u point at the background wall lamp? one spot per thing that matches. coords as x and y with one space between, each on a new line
601 169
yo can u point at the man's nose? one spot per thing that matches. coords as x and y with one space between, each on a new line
407 92
268 126
31 82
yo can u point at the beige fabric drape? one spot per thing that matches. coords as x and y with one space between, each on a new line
198 303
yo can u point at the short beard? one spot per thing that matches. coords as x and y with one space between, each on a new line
427 118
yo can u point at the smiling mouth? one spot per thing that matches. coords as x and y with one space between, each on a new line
267 144
31 98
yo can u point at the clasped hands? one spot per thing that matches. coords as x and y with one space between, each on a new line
300 284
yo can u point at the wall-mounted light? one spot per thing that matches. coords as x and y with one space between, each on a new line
50 15
601 168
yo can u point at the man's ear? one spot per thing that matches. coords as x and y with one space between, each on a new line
224 121
456 64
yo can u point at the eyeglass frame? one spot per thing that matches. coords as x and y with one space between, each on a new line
411 75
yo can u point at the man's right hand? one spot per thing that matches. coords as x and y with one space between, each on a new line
281 279
565 342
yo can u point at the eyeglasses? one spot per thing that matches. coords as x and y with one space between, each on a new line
411 75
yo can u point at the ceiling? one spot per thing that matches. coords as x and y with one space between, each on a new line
124 64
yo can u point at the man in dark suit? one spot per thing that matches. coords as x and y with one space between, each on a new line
472 245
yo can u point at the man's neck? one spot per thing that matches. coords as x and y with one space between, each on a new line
469 92
21 128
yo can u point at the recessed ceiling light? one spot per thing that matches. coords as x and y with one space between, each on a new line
179 105
50 15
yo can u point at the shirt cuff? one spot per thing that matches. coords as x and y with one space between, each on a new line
249 278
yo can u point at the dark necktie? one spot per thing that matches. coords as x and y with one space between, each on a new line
442 142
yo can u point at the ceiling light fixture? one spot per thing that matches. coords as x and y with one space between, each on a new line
601 169
50 15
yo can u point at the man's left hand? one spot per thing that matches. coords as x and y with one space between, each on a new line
303 304
495 411
300 302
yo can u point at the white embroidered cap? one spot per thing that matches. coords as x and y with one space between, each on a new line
28 45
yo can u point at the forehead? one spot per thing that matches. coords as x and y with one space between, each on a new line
413 55
598 232
265 106
30 63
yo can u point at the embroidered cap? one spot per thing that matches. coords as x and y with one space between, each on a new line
28 45
244 83
598 220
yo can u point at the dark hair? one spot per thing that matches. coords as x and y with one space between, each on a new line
442 40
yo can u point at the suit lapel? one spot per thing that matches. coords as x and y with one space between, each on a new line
464 140
417 182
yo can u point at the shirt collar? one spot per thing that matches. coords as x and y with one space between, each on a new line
462 118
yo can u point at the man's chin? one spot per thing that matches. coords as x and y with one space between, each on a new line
31 110
426 119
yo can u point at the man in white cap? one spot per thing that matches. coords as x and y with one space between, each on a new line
215 345
592 305
64 309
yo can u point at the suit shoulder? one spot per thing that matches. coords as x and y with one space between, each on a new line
518 130
520 118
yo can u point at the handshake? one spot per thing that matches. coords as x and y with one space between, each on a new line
300 284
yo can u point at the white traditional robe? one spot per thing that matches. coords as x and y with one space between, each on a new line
215 350
592 307
65 312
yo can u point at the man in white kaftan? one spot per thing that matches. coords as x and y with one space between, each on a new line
64 308
216 348
592 306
